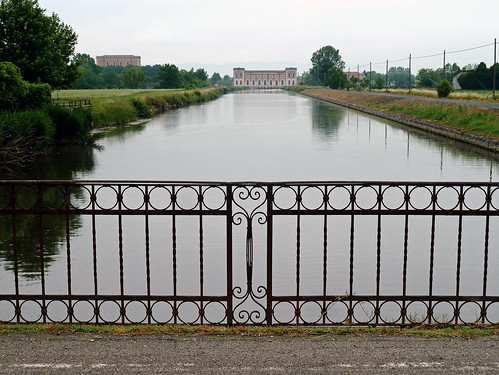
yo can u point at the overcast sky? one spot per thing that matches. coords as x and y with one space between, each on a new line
221 34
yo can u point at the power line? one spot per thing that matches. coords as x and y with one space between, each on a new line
433 55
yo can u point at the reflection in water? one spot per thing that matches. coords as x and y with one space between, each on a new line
256 136
326 120
62 163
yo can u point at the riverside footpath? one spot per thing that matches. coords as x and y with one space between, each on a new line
82 353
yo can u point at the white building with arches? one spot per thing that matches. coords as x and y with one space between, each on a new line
265 79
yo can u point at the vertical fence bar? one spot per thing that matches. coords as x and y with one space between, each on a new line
42 260
406 245
378 255
352 244
93 199
68 253
201 254
270 235
298 255
229 276
14 243
324 257
486 256
120 250
459 250
432 256
147 244
174 254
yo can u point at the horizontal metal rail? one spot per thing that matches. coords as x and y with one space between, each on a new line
322 253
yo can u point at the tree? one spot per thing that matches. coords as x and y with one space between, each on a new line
201 74
322 60
215 78
40 45
12 85
169 77
90 73
132 77
479 79
337 79
427 78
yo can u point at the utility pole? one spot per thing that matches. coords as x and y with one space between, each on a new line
386 76
495 69
370 75
443 71
409 73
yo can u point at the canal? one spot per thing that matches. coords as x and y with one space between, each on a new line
251 136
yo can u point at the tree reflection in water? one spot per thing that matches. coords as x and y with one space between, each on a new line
64 163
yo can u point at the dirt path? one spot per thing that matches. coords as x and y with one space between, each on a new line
327 354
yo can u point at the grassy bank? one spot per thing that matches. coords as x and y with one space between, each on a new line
461 331
116 107
476 120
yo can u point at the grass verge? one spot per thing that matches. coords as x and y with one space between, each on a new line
478 120
460 331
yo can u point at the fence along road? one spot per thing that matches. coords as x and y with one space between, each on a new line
318 253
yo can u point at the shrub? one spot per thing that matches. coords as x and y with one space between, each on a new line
71 126
37 95
143 110
34 128
444 88
119 111
12 86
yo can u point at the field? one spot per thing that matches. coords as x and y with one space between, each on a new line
99 95
482 95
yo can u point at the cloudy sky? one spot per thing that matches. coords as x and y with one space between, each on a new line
221 34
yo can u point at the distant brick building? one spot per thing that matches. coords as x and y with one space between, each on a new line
265 79
118 60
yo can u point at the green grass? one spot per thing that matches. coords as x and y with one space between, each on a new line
459 331
121 106
476 95
477 120
96 96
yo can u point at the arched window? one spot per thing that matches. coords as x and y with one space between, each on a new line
282 82
253 82
247 83
258 82
265 83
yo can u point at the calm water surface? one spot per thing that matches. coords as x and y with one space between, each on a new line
256 136
276 136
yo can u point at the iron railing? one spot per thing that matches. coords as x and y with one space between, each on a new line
373 253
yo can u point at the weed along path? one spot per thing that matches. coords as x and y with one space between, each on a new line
473 122
29 353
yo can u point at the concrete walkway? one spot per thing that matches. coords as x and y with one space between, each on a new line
327 354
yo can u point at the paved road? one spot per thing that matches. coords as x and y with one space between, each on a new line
440 100
328 354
